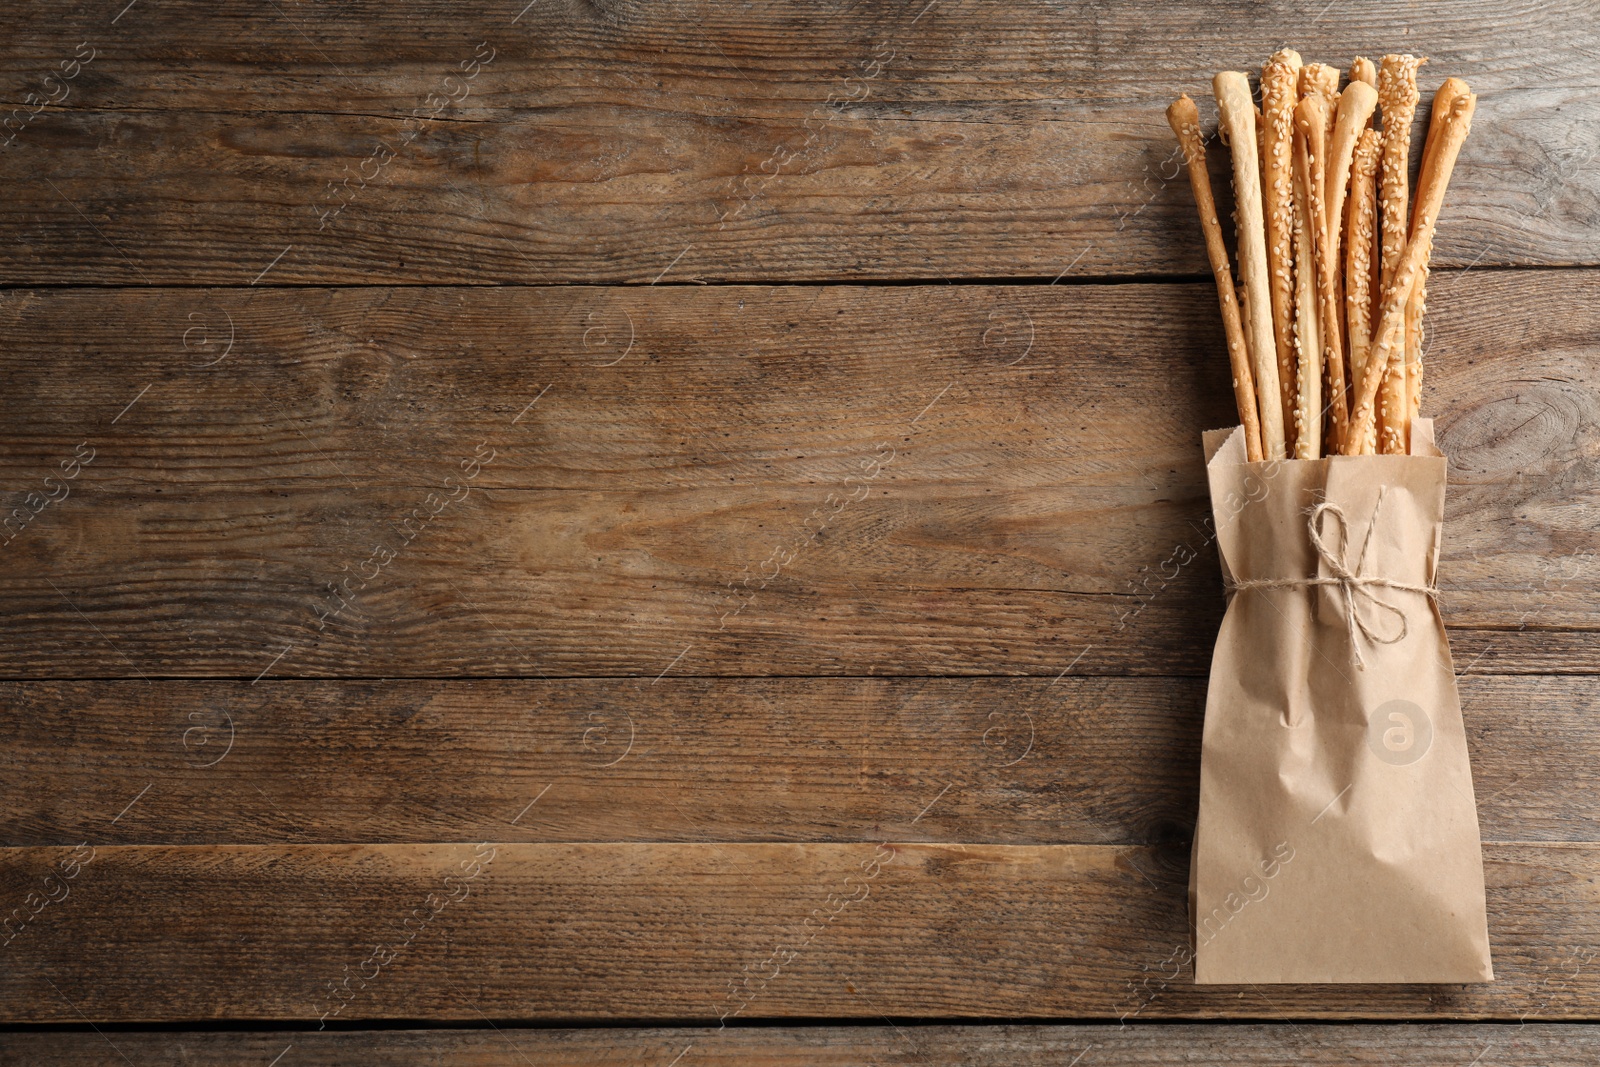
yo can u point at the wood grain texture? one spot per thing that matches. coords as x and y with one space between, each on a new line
688 932
659 841
579 585
650 388
605 142
629 194
1136 1045
368 57
1011 761
905 480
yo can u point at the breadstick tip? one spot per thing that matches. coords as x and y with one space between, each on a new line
1398 73
1311 113
1360 94
1231 83
1181 112
1319 78
1462 102
1283 62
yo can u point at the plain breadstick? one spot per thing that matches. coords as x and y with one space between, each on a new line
1356 105
1238 119
1280 77
1388 336
1362 69
1185 121
1322 81
1443 101
1360 234
1397 93
1308 337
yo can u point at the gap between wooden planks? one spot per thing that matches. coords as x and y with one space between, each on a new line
887 1045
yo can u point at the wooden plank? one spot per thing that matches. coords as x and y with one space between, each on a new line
1083 386
369 57
221 197
975 141
1013 761
694 932
1033 490
578 585
1136 1045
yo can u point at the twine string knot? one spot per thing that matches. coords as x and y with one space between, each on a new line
1359 589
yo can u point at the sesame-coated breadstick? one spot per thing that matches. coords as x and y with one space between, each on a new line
1398 96
1389 335
1360 237
1322 80
1364 70
1443 101
1311 126
1308 335
1280 78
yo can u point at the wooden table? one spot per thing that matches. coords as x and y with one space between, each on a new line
546 534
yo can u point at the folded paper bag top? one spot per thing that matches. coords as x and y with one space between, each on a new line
1337 839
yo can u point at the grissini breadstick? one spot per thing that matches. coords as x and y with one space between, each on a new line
1410 375
1311 126
1397 93
1238 118
1398 96
1360 235
1322 80
1261 145
1184 118
1280 78
1363 69
1308 339
1443 101
1356 105
1431 187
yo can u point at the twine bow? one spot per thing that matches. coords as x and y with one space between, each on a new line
1356 585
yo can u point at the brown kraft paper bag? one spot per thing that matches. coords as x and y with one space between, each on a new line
1337 839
